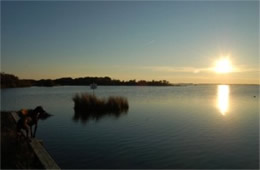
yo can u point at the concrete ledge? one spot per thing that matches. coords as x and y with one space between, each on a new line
37 146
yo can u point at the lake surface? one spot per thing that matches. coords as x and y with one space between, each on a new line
204 126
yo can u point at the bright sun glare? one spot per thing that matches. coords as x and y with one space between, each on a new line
223 66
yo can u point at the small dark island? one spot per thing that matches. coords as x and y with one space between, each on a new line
89 107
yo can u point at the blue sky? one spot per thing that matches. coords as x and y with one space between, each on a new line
130 40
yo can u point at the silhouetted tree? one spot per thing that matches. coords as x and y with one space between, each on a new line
9 80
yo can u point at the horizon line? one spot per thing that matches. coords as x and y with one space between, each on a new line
171 83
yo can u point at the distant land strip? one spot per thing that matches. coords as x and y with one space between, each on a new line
12 81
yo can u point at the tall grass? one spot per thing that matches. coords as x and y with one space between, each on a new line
87 106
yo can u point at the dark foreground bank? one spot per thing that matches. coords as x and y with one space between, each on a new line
15 154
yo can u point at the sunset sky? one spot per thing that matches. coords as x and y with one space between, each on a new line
172 40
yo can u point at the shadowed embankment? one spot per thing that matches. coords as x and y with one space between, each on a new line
15 154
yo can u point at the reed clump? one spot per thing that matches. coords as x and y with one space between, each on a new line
91 104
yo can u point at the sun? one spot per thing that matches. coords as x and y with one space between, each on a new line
223 65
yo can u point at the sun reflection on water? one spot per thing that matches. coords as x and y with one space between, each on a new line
223 99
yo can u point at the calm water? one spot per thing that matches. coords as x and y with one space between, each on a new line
165 127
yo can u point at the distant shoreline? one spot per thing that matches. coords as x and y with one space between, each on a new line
172 85
12 81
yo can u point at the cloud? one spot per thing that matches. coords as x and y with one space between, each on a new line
177 69
196 70
149 42
245 69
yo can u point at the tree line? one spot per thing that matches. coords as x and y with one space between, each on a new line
12 81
